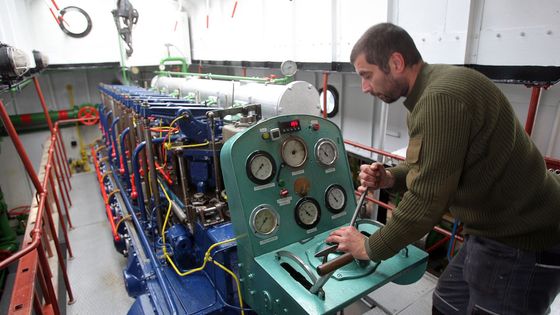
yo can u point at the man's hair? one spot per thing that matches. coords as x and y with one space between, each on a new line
382 40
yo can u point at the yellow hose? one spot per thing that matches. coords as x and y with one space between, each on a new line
207 255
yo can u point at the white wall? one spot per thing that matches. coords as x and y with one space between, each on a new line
29 25
306 31
13 29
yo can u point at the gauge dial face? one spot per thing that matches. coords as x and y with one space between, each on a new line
326 152
294 152
260 167
307 213
264 221
335 198
288 68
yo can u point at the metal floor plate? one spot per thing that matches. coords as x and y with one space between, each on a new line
96 270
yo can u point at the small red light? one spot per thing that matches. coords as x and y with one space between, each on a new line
294 123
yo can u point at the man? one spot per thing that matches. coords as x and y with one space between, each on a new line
467 153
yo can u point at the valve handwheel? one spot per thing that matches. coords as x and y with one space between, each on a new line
88 115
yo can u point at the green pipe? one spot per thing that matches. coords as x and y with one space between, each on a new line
184 64
284 80
33 119
123 66
21 86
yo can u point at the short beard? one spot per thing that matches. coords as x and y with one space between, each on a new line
399 88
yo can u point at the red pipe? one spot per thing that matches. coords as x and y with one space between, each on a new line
438 244
19 148
43 104
446 232
52 129
552 163
535 93
28 255
64 196
392 208
62 153
61 216
234 8
116 236
164 174
56 6
370 149
58 170
325 88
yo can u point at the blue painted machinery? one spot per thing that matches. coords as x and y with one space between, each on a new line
219 211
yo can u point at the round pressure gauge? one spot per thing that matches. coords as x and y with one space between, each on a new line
264 221
294 152
288 68
326 152
335 198
260 167
307 213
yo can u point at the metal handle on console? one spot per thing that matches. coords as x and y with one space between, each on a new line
334 264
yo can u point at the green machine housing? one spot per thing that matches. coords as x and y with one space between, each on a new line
289 185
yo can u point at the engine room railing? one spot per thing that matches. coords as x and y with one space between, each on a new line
34 288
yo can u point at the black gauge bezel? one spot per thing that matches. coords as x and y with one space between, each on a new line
298 220
331 209
252 177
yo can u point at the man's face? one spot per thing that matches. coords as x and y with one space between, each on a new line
378 83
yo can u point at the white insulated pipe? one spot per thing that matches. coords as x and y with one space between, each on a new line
298 97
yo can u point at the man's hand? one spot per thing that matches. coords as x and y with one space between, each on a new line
374 176
349 240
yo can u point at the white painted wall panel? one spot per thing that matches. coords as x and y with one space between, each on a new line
15 31
100 45
517 32
438 27
30 25
160 23
353 18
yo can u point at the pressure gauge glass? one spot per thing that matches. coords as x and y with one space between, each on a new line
326 152
288 68
260 167
294 152
264 221
335 198
307 213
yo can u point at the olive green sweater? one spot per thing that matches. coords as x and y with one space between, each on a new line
469 153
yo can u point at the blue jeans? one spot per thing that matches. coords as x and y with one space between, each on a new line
488 277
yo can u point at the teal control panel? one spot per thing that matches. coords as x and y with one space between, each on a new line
289 185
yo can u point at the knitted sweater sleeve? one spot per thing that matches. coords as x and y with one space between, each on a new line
439 138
